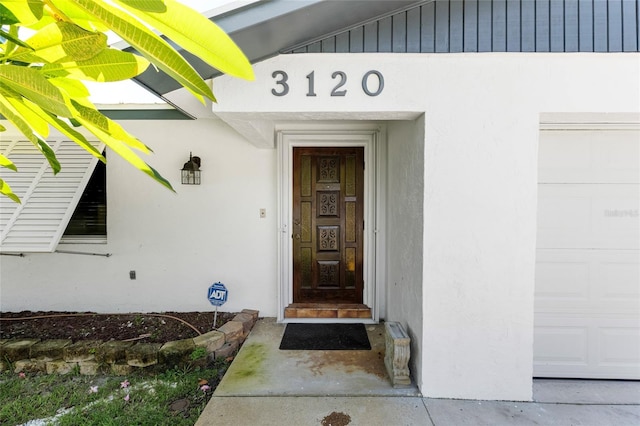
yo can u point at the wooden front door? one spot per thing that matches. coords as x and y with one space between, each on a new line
328 224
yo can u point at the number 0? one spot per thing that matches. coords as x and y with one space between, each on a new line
365 83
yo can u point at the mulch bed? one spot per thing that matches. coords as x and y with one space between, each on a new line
142 327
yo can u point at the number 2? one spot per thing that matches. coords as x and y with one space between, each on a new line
342 82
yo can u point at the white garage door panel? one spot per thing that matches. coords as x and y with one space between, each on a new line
589 156
585 346
563 345
587 297
605 216
619 346
588 281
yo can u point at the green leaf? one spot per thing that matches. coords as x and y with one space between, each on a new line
158 51
2 128
157 6
44 148
61 42
13 39
195 33
124 151
23 12
73 88
40 126
109 65
11 114
5 190
35 87
7 164
65 129
89 114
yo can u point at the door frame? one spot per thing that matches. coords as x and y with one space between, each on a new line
365 134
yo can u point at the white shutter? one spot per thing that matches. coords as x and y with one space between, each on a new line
48 201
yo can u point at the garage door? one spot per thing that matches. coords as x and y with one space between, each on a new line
587 298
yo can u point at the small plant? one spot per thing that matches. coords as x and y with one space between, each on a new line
75 370
198 353
138 320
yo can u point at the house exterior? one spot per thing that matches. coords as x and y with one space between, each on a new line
470 169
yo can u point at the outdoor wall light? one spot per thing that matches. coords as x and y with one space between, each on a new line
191 171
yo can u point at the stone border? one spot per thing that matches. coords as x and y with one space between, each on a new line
120 358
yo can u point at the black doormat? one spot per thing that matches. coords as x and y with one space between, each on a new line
325 337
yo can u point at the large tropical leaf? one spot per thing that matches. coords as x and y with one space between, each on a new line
64 128
72 87
24 12
7 164
195 33
89 114
61 42
124 151
37 123
154 48
14 39
34 86
5 190
14 116
108 65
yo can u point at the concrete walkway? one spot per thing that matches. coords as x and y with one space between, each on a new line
267 386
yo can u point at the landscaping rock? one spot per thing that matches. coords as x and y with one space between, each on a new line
112 352
227 350
176 352
60 367
211 341
247 322
143 354
89 368
90 357
15 350
84 350
29 366
232 330
120 369
254 314
49 350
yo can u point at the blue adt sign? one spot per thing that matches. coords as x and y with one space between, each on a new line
217 294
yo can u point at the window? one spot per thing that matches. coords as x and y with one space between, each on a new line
90 216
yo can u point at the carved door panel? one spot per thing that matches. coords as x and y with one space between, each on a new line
328 224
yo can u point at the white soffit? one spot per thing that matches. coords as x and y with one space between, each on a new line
48 200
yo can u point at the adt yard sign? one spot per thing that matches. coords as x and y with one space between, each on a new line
217 294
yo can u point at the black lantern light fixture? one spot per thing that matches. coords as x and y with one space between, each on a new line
191 171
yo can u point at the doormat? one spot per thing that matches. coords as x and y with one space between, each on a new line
325 337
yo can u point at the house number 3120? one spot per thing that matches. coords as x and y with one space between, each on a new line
372 83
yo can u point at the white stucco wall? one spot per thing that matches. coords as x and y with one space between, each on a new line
479 164
178 243
405 222
480 168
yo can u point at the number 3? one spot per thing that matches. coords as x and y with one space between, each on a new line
282 82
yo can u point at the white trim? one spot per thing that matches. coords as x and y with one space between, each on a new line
589 121
371 137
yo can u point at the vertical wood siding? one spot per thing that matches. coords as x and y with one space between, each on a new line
450 26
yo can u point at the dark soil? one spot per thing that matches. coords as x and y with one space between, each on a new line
147 328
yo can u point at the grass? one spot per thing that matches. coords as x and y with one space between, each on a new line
69 399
